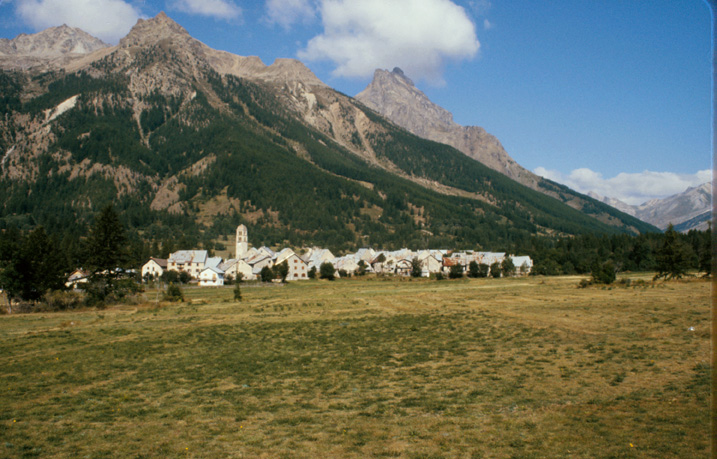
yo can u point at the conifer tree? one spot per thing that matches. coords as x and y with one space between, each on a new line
106 249
37 266
675 256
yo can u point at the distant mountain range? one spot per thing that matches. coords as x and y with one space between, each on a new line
691 209
51 48
187 140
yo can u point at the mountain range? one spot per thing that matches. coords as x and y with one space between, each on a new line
189 140
691 209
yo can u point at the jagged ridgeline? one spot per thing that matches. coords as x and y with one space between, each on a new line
182 149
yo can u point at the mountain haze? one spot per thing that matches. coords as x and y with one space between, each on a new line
189 140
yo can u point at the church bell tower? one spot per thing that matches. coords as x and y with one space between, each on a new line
242 242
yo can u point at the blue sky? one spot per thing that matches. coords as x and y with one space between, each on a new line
612 96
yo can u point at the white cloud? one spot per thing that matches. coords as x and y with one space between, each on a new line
289 12
419 36
487 25
634 188
108 20
219 9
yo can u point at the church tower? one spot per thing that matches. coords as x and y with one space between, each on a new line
242 246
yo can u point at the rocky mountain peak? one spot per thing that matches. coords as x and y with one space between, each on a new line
30 50
396 73
394 95
150 31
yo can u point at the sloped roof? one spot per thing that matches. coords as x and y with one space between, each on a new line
213 262
248 254
162 262
181 257
261 256
284 254
227 264
518 261
213 269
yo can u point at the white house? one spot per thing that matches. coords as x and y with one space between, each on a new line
76 278
314 257
234 267
190 261
259 261
266 251
283 255
523 264
211 277
366 254
347 263
155 267
430 264
404 266
213 262
298 269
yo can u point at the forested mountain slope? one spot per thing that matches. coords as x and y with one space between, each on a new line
189 141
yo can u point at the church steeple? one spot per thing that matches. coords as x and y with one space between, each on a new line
242 241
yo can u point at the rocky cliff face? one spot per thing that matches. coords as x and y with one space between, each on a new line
394 95
51 48
690 209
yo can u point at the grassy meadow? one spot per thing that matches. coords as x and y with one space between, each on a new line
485 368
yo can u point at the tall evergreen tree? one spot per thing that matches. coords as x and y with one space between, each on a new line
36 267
106 248
675 256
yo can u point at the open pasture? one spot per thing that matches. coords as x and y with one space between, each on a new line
523 367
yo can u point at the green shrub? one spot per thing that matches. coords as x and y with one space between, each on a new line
173 293
604 274
456 271
327 270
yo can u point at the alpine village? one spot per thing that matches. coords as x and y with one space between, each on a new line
163 180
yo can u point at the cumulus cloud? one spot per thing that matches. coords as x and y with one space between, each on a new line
219 9
289 12
108 20
419 36
634 188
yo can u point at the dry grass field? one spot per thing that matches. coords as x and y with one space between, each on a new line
509 368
